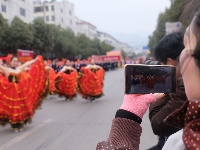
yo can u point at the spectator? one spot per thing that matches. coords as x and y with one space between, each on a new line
167 52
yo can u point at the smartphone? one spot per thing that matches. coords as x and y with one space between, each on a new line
145 79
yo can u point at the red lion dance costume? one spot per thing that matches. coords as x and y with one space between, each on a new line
21 94
66 83
91 82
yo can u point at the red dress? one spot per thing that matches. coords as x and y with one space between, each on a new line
21 94
91 82
52 76
66 83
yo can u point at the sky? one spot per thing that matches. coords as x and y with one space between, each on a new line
129 21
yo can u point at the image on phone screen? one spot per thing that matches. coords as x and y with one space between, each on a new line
145 79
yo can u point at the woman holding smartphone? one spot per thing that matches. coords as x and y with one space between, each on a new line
126 130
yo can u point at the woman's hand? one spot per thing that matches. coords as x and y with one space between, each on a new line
139 103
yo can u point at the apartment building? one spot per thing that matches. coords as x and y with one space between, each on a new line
58 13
104 37
84 27
125 47
20 8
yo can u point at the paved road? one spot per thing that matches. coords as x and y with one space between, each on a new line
75 125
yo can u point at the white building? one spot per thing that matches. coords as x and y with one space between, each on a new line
86 28
20 8
126 48
58 13
104 37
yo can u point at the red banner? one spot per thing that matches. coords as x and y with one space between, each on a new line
24 55
110 58
95 57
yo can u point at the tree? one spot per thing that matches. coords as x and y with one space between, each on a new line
96 47
159 32
44 39
3 29
65 44
59 42
105 48
17 36
83 43
48 40
176 10
123 54
71 48
171 14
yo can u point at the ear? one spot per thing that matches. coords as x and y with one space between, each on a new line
171 62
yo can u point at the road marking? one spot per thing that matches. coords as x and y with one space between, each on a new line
24 135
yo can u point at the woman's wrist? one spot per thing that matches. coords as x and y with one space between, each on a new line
121 113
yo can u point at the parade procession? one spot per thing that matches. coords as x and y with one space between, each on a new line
27 81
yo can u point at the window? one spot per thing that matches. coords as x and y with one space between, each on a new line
70 12
53 18
46 8
3 8
70 22
38 9
61 10
47 18
52 7
22 11
62 20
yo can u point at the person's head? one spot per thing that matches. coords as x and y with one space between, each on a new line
92 61
190 58
68 63
14 61
168 50
190 70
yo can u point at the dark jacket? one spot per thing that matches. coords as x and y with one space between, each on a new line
159 110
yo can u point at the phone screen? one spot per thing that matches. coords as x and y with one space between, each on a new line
145 79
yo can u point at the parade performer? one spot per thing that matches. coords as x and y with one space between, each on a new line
90 83
66 81
21 91
52 76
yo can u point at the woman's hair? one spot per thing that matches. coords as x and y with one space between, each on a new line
191 15
196 31
189 9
